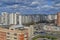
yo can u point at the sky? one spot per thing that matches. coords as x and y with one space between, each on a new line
30 6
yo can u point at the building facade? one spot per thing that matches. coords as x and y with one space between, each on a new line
0 19
52 17
58 19
17 18
5 18
14 18
16 33
26 19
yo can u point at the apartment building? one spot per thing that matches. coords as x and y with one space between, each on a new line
15 32
26 19
52 17
14 18
43 18
9 18
36 18
39 18
51 28
58 19
18 18
0 19
5 18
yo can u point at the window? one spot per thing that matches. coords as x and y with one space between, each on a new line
18 22
12 29
15 38
8 33
8 36
15 34
36 29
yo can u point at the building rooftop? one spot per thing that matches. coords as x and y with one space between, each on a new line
5 26
17 26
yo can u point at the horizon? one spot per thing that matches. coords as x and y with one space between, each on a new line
27 14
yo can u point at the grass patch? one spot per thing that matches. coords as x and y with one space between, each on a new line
39 36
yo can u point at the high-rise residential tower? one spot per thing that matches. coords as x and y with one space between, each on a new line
0 19
14 18
5 18
58 19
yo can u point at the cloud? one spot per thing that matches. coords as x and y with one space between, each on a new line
47 6
35 2
32 6
58 5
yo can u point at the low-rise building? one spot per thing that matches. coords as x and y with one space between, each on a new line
51 28
15 32
51 17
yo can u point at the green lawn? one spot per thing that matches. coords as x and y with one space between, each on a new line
49 37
